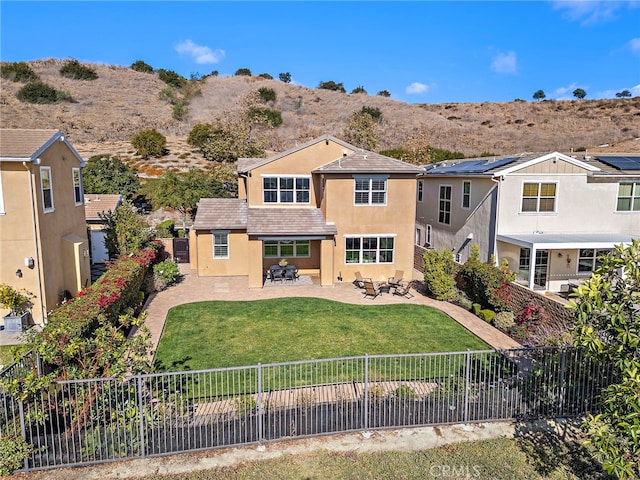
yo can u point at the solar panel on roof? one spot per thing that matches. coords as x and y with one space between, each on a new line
476 166
622 163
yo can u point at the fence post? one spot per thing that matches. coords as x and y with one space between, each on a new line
143 440
260 410
23 431
365 413
561 380
467 375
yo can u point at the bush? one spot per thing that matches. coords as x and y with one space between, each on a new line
172 78
265 75
373 112
439 272
166 229
265 115
504 320
285 77
331 85
200 134
267 94
39 92
149 143
14 450
475 308
179 110
18 72
166 274
461 299
487 315
243 72
140 66
359 89
75 70
384 93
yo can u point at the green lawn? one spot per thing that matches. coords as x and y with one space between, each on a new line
222 334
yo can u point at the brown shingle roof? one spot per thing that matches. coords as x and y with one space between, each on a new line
95 204
288 221
363 161
23 143
223 213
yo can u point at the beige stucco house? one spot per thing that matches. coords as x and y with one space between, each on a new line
549 215
43 234
326 206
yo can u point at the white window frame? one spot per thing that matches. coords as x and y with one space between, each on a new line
278 245
370 191
360 249
427 236
539 197
51 208
2 211
420 190
418 236
219 234
280 190
466 195
447 202
634 198
77 189
592 259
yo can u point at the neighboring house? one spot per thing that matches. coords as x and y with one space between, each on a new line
549 215
43 233
326 206
96 205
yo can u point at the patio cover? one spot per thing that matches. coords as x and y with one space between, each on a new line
280 223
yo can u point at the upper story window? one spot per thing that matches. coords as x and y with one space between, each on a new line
538 197
220 244
370 190
628 197
420 190
47 189
444 205
466 194
286 189
77 186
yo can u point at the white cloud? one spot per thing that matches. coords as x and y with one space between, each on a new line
200 53
505 63
416 88
634 45
590 12
566 93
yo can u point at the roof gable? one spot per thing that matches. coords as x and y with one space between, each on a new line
549 156
26 145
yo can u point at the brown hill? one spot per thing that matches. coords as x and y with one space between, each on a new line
107 112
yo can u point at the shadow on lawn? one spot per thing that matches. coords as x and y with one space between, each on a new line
558 445
175 366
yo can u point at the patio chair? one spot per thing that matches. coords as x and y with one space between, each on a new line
289 275
277 274
370 290
396 279
403 290
359 281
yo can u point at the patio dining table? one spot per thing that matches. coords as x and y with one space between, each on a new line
288 272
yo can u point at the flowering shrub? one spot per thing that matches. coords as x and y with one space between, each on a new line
166 272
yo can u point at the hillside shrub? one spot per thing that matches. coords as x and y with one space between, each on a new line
266 76
140 66
171 78
18 72
243 72
384 93
359 89
331 85
200 134
373 112
267 94
265 115
41 93
285 77
149 143
439 274
179 110
75 70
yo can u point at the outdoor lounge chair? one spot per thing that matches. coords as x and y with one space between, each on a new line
396 279
403 290
359 281
370 290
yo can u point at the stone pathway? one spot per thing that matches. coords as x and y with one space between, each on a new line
195 289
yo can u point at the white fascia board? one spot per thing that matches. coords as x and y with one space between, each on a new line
544 158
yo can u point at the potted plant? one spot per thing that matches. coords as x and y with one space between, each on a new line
18 302
283 262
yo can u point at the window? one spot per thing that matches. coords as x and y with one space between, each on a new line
444 208
588 260
77 186
47 189
524 265
466 194
539 197
285 189
369 249
371 191
220 244
418 236
540 272
427 240
420 190
286 248
628 197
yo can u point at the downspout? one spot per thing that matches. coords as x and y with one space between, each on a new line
495 227
35 224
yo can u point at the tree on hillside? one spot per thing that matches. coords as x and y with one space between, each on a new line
361 130
384 93
141 66
607 323
623 94
108 174
200 134
579 93
331 85
243 72
149 143
285 77
359 89
539 95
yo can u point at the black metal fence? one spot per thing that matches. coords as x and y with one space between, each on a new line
99 420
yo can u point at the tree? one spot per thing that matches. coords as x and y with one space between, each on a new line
383 93
141 66
265 76
18 72
539 95
331 85
149 143
359 89
439 271
126 231
361 130
579 93
232 138
108 174
243 72
183 191
200 134
171 78
75 70
267 94
607 324
623 94
285 77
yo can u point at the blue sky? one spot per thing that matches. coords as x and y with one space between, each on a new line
421 52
